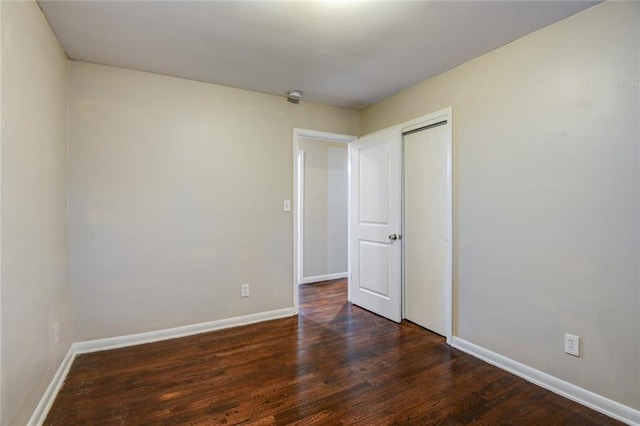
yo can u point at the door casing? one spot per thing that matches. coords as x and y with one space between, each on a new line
298 194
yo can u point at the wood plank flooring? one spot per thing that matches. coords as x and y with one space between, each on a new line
333 364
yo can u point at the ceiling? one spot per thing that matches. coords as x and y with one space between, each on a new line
343 53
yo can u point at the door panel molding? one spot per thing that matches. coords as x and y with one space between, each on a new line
376 213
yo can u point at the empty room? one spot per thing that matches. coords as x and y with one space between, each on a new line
319 212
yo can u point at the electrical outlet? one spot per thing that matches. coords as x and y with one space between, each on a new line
572 344
244 290
56 333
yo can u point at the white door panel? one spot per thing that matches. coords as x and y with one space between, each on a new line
374 184
374 267
376 173
426 238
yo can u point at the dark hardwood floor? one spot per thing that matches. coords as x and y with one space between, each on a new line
333 364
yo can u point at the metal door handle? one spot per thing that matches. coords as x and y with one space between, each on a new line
394 237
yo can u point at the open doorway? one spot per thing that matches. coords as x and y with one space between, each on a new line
321 207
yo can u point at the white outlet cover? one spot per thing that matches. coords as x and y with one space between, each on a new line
572 344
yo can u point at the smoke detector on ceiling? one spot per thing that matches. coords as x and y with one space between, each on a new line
294 96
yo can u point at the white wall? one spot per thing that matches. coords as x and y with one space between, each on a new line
547 195
175 199
325 207
34 284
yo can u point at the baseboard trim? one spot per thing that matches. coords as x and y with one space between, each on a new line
327 277
176 332
575 393
42 409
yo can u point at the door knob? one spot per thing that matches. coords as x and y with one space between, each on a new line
394 237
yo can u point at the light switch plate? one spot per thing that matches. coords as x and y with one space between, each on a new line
286 206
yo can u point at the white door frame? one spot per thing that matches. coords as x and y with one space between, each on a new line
420 122
298 198
407 126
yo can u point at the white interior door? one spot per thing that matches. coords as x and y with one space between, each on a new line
376 253
426 235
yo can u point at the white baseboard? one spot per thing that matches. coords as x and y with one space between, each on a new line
575 393
587 398
42 409
172 333
318 278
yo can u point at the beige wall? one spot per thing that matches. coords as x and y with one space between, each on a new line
546 185
35 291
337 208
325 207
175 199
1 127
176 189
